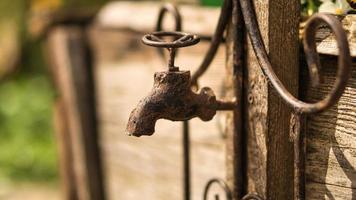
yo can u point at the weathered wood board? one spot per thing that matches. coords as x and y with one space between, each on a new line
267 117
331 141
150 167
326 40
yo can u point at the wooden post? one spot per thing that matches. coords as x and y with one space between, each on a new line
69 187
267 119
71 67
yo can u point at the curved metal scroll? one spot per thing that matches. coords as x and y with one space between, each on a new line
344 60
252 197
228 193
169 8
222 184
173 10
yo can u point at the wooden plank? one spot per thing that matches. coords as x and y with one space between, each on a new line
326 40
70 63
326 191
269 149
331 136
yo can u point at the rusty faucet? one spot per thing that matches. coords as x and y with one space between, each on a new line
171 97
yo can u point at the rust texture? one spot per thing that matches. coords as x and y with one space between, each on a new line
171 98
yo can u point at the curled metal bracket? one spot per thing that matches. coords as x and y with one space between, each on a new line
168 8
228 194
344 60
222 184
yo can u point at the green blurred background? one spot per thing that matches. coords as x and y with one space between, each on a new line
27 144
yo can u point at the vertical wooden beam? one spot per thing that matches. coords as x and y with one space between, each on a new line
68 184
267 118
71 67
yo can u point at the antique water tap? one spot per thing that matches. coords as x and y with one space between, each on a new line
172 97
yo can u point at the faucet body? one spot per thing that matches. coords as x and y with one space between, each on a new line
171 98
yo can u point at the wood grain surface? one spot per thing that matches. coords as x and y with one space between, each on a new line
269 149
326 40
331 139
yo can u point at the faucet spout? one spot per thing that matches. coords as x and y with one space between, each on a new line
171 98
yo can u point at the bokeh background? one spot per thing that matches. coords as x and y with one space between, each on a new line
28 156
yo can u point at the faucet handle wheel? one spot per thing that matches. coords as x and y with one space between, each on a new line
180 39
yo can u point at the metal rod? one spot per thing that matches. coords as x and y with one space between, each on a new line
239 147
225 105
173 10
172 55
297 125
186 160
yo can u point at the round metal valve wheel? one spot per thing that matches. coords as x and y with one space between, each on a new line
181 39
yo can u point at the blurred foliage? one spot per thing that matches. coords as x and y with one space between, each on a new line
338 7
310 7
27 150
211 2
39 5
27 147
